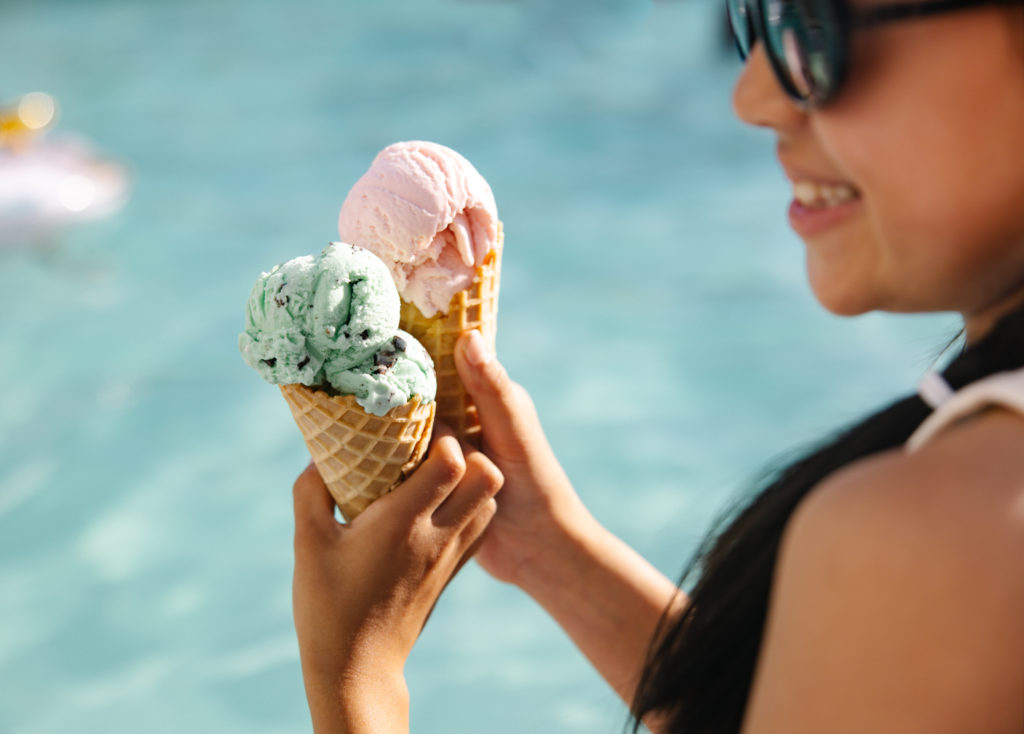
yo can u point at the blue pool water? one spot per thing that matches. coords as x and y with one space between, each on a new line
145 471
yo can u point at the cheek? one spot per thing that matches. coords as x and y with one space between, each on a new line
936 148
917 122
955 203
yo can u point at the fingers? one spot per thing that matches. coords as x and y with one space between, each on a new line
473 499
435 478
449 498
466 513
313 504
505 409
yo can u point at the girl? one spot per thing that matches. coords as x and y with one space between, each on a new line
875 585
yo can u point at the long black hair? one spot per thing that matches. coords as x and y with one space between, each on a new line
698 675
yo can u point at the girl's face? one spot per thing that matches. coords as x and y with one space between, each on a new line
909 186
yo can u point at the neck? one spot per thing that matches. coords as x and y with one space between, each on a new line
978 324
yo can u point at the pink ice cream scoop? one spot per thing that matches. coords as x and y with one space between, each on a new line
428 214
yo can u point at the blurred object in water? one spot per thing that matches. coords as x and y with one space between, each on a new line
48 183
23 121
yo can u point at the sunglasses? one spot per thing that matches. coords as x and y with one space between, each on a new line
808 41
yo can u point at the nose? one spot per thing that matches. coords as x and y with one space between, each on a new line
758 98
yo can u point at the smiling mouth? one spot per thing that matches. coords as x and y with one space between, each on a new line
816 195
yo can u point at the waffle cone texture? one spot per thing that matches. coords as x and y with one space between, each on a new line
474 308
360 456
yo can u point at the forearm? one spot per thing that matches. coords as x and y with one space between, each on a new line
606 597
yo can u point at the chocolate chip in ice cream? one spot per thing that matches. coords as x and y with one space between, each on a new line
385 358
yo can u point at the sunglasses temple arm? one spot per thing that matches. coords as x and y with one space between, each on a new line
906 11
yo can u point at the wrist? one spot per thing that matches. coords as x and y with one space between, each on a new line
355 702
557 549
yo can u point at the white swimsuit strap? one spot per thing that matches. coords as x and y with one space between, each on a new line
934 389
1005 389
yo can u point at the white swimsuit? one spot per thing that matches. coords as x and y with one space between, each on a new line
1003 389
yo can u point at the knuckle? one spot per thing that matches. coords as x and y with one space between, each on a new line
411 538
485 473
304 482
476 462
410 542
493 478
424 549
500 381
482 518
451 464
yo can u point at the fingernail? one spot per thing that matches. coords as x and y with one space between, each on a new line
477 353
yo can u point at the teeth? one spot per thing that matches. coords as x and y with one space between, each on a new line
816 195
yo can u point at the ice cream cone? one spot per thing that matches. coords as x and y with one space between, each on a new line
360 456
474 308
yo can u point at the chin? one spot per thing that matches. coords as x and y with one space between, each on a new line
842 299
844 309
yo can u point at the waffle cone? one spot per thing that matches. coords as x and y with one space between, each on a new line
360 456
474 308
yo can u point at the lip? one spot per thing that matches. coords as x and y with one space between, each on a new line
808 222
804 220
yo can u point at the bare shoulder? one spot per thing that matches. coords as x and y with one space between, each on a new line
898 594
959 497
949 517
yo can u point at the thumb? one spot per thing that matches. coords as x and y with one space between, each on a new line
505 410
314 506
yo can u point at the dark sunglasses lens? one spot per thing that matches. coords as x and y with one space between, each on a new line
805 40
742 26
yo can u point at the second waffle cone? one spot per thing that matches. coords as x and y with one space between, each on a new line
474 308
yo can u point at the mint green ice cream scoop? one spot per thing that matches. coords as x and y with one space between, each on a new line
331 321
397 371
